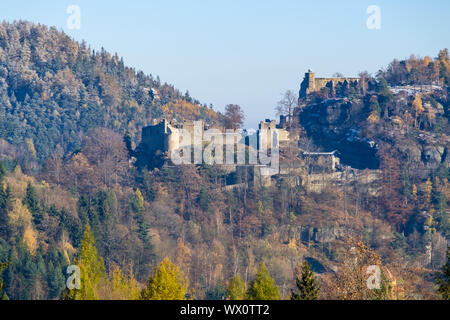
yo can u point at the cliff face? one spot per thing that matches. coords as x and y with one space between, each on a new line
345 125
332 126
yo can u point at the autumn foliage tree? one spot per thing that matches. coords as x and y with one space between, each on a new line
236 288
351 280
106 151
395 206
167 283
263 287
234 116
121 286
417 107
92 270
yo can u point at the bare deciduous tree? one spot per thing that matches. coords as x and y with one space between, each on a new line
106 150
287 105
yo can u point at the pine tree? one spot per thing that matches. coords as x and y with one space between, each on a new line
167 283
307 288
443 279
236 288
204 200
31 201
2 171
263 287
92 270
5 207
55 280
138 205
128 143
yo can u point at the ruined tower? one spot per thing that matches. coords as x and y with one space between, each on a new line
308 84
312 84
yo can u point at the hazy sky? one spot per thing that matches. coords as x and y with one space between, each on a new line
247 52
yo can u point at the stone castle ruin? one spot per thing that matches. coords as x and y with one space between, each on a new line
320 161
163 139
311 169
312 84
268 127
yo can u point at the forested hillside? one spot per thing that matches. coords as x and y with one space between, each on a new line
53 89
70 194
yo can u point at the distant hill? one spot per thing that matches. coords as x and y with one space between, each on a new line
53 89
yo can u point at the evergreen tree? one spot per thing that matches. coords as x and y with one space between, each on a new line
83 210
32 202
92 270
443 279
204 200
129 143
149 190
167 283
2 171
385 292
5 207
55 280
263 287
236 288
307 288
138 206
382 87
3 266
217 291
107 205
137 202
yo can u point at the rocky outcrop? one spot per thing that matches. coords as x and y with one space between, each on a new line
343 125
328 125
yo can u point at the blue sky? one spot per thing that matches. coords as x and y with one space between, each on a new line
247 52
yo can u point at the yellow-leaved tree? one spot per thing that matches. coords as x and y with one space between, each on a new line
417 106
120 286
354 274
3 266
236 288
263 287
167 283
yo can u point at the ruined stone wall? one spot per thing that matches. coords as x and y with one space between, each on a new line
327 161
269 127
312 84
166 137
157 137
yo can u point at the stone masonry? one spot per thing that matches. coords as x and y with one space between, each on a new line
312 84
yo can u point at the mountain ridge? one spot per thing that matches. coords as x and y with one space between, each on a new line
54 87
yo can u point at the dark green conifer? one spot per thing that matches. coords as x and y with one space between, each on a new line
306 285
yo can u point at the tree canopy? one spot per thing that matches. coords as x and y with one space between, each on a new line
167 283
263 287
